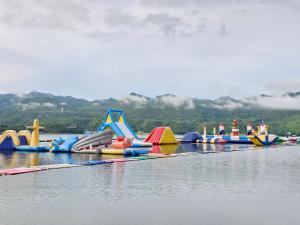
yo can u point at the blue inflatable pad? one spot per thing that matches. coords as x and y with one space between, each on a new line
135 152
92 163
33 149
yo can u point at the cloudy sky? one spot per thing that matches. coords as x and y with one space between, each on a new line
199 48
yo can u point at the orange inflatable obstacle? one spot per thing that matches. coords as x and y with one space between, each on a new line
161 136
121 143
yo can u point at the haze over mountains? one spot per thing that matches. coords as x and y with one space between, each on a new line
69 114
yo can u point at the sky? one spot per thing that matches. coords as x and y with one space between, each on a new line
97 49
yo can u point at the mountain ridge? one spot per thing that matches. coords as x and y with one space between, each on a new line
59 113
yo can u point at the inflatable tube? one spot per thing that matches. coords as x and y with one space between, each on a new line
94 136
92 145
97 139
89 146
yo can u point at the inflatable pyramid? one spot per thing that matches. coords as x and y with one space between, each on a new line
161 136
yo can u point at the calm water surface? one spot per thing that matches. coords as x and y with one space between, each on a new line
236 186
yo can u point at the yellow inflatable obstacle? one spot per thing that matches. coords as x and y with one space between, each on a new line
24 137
35 136
34 140
24 140
9 140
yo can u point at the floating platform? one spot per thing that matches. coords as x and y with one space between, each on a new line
28 148
222 139
20 170
56 166
262 140
94 162
125 152
287 139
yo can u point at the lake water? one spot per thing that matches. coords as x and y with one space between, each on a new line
236 186
12 159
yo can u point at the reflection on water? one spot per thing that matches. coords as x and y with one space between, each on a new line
9 159
251 187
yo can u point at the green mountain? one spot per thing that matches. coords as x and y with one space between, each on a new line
73 115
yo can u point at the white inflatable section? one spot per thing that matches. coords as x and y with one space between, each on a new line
125 130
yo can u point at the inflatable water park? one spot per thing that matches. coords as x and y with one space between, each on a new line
101 141
115 136
261 137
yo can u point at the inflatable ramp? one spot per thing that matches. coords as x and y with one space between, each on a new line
115 120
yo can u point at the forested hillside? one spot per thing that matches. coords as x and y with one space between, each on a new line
72 115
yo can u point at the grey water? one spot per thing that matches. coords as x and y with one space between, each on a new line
237 185
14 159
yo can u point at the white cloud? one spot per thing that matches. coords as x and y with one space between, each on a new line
277 102
49 105
284 102
30 105
136 99
230 105
177 101
34 105
203 49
